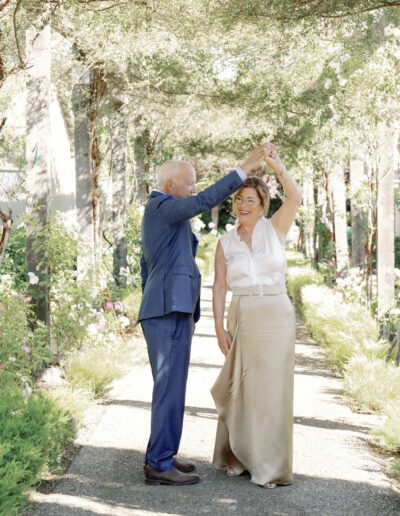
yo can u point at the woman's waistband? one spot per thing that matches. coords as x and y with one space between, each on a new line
259 290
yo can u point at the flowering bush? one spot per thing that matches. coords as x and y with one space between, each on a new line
22 351
71 311
352 285
14 260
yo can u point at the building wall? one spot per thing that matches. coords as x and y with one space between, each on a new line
62 169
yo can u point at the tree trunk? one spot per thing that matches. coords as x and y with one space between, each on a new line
308 202
38 161
316 255
385 209
339 200
215 216
359 224
82 138
118 163
142 140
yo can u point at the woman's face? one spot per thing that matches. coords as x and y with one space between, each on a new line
247 206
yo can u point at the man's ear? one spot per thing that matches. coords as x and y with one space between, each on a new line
169 186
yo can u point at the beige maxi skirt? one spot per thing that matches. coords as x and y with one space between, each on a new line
253 393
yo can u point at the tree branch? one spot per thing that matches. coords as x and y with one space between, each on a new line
22 64
4 4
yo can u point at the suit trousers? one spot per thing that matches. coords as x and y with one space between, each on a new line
168 341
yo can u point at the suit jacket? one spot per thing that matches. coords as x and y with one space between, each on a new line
170 277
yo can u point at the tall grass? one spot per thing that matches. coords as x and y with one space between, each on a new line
389 433
298 277
95 368
342 328
372 383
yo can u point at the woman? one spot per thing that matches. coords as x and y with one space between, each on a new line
254 390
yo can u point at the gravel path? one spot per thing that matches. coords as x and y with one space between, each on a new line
336 473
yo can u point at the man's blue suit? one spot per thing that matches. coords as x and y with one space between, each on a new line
171 305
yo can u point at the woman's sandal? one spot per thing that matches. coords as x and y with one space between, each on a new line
272 485
231 472
269 485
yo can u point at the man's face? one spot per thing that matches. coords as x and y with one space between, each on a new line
184 184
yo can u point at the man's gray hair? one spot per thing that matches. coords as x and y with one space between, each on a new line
169 170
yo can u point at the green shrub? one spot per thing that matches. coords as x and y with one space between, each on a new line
94 367
299 277
296 259
131 302
71 311
205 253
389 433
14 260
34 433
372 382
22 352
397 252
343 329
134 243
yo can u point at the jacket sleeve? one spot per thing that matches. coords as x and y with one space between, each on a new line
174 210
143 271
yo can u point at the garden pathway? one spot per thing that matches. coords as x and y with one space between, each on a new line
336 472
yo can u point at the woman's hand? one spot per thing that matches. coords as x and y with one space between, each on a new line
224 341
272 158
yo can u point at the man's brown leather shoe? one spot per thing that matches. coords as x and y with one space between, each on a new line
184 467
172 477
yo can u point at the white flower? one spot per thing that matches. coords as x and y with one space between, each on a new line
33 279
328 84
390 30
92 329
211 225
124 321
228 227
335 66
342 81
197 225
214 232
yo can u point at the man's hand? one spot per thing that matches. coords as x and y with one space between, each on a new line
272 158
257 156
224 341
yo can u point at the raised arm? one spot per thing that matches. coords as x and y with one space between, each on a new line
220 288
283 218
175 210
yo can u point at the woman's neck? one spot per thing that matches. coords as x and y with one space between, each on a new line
247 227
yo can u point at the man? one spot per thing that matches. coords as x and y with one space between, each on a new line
170 303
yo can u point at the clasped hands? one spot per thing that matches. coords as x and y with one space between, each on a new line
266 152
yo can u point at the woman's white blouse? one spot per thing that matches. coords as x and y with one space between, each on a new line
264 265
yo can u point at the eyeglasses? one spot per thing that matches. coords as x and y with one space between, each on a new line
249 201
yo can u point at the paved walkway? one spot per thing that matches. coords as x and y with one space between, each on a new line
336 473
